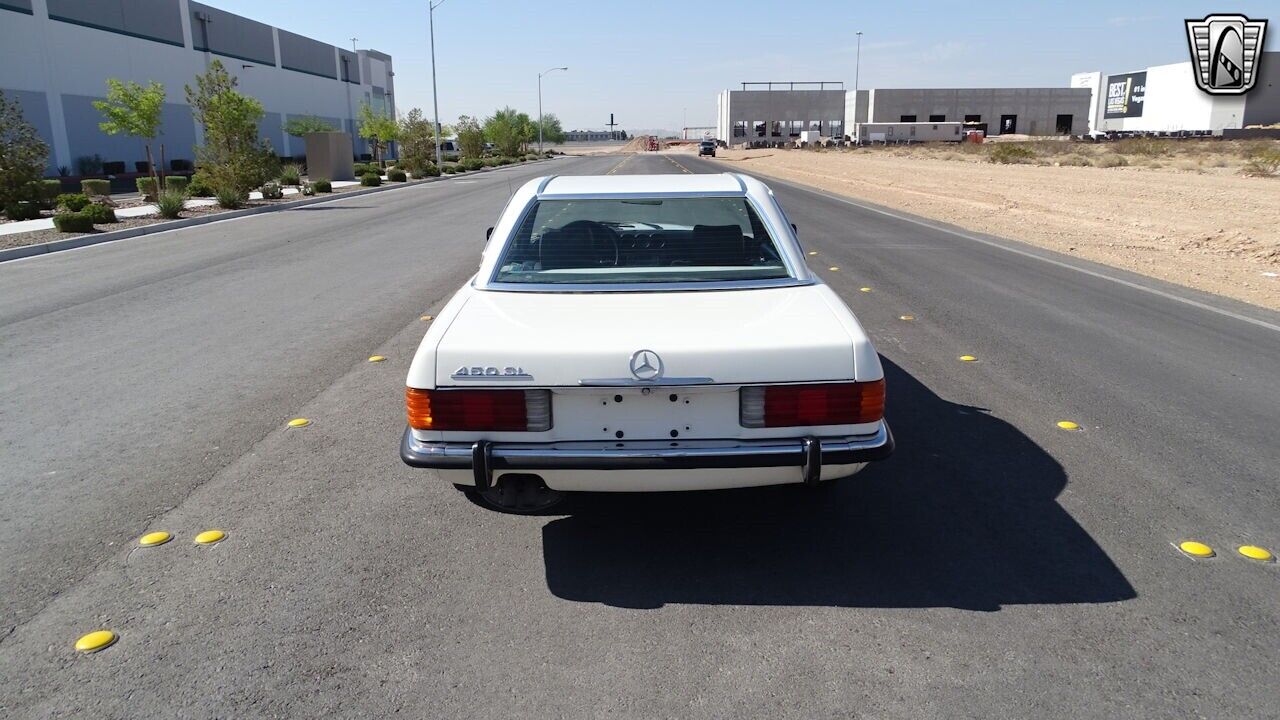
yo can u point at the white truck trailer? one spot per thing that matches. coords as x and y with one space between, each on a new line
907 132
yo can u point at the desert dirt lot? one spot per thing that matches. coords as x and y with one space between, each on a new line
1185 213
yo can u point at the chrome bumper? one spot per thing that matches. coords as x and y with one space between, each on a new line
809 453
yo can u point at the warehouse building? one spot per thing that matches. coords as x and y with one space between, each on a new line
1166 99
778 112
58 54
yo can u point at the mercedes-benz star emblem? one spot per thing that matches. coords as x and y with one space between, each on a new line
646 365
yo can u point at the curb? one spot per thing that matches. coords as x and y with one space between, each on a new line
53 246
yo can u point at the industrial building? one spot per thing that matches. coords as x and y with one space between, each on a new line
594 135
1158 99
58 55
1165 99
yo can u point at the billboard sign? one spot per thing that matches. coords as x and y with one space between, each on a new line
1125 95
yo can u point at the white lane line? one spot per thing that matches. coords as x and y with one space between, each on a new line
1092 273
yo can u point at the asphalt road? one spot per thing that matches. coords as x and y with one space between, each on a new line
996 566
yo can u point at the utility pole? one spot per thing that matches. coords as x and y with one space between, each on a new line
612 125
857 70
544 72
435 103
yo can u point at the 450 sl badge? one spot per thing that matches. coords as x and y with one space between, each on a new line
491 373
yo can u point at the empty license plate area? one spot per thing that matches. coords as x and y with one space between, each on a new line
657 413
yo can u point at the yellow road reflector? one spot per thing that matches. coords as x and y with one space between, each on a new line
156 538
906 317
833 269
376 358
1068 425
209 537
865 289
967 358
1253 552
299 422
813 252
425 318
1195 549
96 640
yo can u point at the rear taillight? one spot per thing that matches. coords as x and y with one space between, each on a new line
509 410
820 404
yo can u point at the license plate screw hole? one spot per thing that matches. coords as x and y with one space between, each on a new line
618 434
675 433
672 397
617 398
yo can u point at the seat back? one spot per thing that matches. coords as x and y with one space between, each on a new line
718 245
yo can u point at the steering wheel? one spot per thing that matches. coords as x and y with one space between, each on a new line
602 238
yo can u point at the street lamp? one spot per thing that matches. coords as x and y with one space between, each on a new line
435 104
544 72
857 70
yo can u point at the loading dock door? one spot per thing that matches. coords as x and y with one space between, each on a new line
1063 125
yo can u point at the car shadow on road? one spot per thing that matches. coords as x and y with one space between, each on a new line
963 515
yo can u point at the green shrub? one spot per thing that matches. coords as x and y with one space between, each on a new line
73 202
472 164
291 175
322 185
230 199
272 191
94 188
73 222
22 211
101 214
199 186
1010 154
1109 161
170 203
396 175
427 170
449 169
49 192
370 179
360 169
177 183
308 189
147 188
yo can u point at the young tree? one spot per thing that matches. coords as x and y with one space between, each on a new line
233 158
470 137
137 111
377 127
22 155
417 138
300 126
509 131
552 131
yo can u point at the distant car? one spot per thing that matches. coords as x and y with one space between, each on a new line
707 147
642 333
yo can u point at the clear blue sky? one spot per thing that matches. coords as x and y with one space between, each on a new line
651 62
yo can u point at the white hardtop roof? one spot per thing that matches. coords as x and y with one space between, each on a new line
605 185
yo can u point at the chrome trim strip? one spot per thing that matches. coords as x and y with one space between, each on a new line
633 382
647 287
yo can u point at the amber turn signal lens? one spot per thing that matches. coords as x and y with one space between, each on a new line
418 404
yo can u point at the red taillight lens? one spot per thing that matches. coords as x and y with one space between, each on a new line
510 410
821 404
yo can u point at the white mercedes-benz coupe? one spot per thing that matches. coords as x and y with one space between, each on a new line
642 333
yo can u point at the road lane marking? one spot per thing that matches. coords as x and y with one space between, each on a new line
1253 552
209 537
906 317
96 640
159 537
425 318
1195 549
968 358
673 162
1025 253
1068 425
377 358
299 422
621 162
865 289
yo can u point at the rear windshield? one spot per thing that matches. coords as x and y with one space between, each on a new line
641 240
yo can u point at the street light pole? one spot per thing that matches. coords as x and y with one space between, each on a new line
857 70
544 72
435 103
